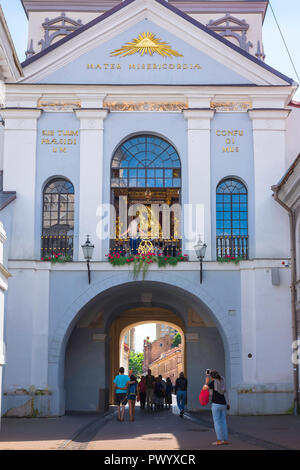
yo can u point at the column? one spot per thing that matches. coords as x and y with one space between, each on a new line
19 174
199 187
91 176
271 238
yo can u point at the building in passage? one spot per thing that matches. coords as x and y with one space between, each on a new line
162 330
168 364
145 124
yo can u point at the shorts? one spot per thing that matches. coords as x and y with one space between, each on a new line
131 396
120 399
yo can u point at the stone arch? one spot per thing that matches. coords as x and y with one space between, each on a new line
72 314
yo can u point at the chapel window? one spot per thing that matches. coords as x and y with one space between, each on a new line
232 219
58 218
146 170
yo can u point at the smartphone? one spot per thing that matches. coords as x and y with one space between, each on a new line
208 371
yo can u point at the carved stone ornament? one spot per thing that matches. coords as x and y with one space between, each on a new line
60 26
229 26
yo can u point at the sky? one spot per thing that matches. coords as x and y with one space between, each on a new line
287 12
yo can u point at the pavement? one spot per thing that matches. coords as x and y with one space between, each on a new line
152 430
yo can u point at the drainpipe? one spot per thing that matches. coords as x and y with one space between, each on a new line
293 291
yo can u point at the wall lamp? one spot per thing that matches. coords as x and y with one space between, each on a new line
88 250
200 249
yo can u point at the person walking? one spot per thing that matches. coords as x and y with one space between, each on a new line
216 383
120 386
132 396
158 393
181 392
150 381
168 393
142 392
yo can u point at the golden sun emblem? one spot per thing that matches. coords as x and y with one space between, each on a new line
146 43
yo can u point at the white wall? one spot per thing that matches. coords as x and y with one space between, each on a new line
3 288
266 327
27 328
292 136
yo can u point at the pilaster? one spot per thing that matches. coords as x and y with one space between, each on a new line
271 238
197 217
91 176
19 174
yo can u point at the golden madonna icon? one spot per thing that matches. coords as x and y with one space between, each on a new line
146 43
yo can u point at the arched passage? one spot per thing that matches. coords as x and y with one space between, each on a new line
86 371
128 319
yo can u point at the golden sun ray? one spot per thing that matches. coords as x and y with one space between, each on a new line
146 43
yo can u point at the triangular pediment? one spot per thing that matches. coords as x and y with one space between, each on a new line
147 42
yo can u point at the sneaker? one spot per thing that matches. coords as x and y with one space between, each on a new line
181 413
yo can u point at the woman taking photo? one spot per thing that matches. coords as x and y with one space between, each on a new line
216 383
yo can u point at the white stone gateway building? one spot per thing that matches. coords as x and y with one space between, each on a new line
147 105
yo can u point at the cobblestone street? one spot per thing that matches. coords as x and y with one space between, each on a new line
160 430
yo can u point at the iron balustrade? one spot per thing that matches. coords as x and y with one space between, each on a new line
233 246
165 247
56 244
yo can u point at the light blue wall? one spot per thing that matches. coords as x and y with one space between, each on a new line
171 126
84 371
211 72
228 164
50 164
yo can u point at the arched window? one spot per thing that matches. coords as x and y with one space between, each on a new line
146 169
146 161
58 217
232 219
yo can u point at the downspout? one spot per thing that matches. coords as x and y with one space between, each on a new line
293 292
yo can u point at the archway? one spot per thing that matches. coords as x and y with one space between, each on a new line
91 355
128 319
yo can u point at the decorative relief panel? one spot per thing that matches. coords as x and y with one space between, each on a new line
52 105
144 106
231 106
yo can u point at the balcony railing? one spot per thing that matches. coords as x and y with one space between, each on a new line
56 244
157 246
236 246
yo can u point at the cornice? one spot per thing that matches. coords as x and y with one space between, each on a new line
24 113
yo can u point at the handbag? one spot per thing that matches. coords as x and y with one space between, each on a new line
204 397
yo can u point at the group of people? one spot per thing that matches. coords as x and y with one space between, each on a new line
152 392
155 392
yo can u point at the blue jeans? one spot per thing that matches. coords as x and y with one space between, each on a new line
181 399
219 417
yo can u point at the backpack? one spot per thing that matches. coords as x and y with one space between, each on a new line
159 392
204 397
